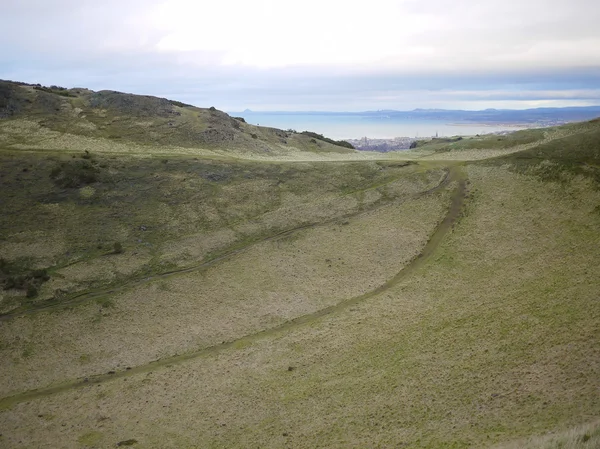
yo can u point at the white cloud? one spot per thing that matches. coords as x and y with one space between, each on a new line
377 35
330 54
395 35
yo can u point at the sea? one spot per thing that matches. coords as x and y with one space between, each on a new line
356 126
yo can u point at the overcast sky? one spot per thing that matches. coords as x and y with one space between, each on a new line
312 54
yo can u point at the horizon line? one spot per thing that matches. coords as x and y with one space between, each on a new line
248 110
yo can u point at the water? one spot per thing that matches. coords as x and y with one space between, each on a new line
356 126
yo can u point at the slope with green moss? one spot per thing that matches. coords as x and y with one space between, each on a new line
142 120
562 158
433 304
493 146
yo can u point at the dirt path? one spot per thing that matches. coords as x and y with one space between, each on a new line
89 295
455 174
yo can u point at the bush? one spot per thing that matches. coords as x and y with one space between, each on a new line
118 248
14 277
339 143
180 104
74 174
11 282
40 274
343 143
57 90
32 291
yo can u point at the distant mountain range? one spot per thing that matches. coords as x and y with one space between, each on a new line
537 115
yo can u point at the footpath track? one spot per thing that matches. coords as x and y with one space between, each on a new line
83 297
455 174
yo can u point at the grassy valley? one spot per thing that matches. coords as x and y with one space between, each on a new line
173 277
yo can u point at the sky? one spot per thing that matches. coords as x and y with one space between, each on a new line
312 55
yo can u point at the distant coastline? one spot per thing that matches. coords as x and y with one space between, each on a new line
418 123
507 125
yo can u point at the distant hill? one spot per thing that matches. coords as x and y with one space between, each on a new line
540 116
147 120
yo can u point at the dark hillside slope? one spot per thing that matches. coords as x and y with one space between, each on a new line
145 120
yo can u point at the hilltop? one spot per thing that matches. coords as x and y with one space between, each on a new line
115 118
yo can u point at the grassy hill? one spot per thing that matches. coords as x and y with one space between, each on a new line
164 293
119 118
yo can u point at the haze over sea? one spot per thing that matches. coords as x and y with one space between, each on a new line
381 127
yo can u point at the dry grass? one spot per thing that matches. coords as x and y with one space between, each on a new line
579 437
260 288
29 135
488 147
490 340
172 213
495 338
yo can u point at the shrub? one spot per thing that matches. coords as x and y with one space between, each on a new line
32 291
13 277
343 143
57 90
118 248
40 274
339 143
180 104
77 173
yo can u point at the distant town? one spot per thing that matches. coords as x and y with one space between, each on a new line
382 145
404 143
420 124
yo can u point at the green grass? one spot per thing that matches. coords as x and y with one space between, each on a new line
441 145
493 339
561 159
266 285
119 118
232 272
68 221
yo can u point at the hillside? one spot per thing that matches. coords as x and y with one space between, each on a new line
185 294
116 119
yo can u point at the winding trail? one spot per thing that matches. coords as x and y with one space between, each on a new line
89 295
455 174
